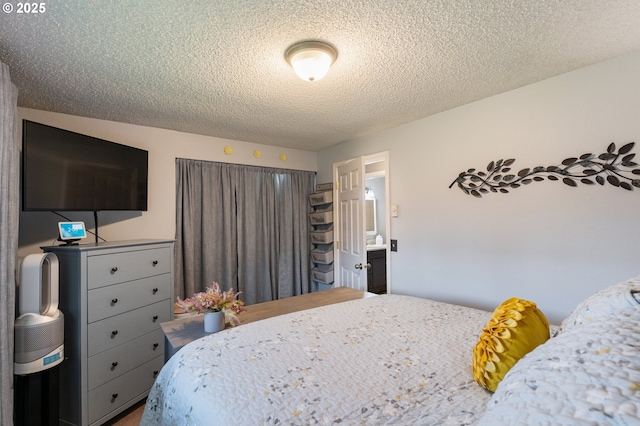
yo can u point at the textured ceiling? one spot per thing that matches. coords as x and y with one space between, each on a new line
217 67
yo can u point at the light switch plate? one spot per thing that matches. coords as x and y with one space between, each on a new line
394 210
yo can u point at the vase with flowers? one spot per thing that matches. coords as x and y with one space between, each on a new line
218 307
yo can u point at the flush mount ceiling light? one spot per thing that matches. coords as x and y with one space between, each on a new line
311 59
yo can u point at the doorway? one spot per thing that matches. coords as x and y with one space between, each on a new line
362 223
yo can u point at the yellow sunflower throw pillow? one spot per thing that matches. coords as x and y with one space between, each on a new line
515 329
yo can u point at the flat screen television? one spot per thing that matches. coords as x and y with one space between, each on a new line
67 171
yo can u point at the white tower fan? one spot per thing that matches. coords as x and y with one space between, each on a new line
39 328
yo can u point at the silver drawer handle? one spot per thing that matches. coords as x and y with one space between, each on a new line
114 269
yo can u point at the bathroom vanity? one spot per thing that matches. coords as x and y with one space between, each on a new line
377 273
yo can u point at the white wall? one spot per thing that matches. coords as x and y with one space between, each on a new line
545 242
164 146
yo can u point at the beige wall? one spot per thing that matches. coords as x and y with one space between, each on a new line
546 242
164 146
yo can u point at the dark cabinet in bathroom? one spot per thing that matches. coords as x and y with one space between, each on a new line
377 273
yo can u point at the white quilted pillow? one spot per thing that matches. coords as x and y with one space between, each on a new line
619 296
588 375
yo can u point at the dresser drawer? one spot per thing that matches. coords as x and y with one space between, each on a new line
120 267
115 299
111 332
114 394
115 362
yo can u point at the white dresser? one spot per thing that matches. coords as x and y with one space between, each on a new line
114 297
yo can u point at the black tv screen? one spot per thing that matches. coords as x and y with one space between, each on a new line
63 170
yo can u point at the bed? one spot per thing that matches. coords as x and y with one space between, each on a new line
394 359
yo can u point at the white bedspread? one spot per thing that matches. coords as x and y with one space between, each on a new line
380 360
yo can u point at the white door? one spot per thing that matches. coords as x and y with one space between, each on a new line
351 236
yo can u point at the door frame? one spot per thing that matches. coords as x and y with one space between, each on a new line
368 159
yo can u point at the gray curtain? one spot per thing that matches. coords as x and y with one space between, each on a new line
245 227
9 209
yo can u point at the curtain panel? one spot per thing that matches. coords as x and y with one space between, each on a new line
244 227
9 210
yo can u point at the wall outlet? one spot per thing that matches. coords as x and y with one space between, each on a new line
394 245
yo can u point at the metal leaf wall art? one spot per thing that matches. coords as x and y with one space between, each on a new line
615 167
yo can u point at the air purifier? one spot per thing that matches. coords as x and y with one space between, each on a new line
39 328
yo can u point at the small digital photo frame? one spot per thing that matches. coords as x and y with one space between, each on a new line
71 232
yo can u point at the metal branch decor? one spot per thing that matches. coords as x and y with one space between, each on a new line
615 167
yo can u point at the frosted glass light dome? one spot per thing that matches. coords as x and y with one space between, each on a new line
311 60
